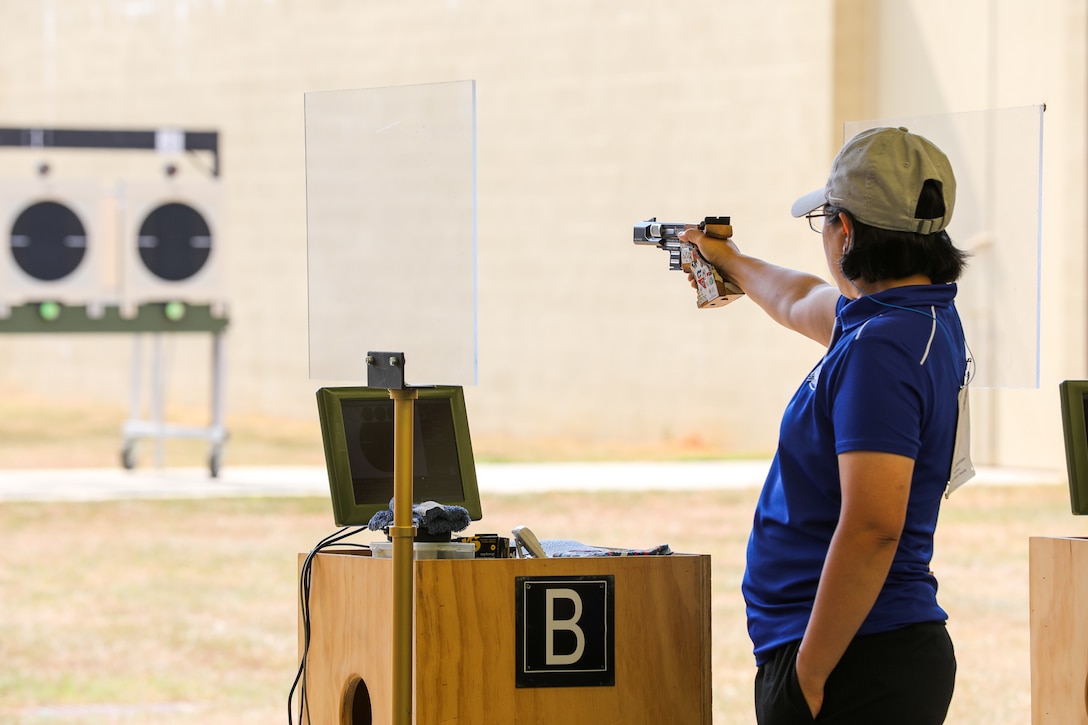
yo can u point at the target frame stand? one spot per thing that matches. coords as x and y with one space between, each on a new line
80 298
155 426
155 320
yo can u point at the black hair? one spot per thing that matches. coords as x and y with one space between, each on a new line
879 254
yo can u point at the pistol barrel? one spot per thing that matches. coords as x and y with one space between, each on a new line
658 233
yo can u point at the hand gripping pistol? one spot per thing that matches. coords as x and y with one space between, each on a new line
713 291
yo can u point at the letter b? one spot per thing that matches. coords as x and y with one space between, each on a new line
566 625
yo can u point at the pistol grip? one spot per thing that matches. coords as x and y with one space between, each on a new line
712 290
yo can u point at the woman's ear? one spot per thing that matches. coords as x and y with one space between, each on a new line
847 231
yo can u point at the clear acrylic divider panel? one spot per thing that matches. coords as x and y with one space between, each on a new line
391 231
997 159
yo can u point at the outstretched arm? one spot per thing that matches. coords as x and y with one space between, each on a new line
797 300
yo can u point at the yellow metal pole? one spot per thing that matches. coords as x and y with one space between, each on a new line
403 535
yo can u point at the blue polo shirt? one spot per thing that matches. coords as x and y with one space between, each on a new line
889 383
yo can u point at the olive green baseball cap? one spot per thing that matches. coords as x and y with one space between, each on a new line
878 177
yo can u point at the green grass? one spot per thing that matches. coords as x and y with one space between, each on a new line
185 611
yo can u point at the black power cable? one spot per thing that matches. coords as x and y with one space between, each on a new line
305 572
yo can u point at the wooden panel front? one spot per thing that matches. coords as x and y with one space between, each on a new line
465 641
1059 631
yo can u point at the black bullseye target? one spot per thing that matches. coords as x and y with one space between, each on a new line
48 241
174 242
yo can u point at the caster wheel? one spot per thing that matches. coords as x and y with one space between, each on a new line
128 458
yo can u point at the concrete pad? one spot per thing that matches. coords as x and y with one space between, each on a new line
495 479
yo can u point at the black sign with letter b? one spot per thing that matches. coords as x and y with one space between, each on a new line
565 634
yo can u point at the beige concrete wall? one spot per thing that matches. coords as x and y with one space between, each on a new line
991 54
590 116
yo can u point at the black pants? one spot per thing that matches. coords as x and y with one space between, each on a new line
905 676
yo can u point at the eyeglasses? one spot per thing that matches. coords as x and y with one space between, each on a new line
816 219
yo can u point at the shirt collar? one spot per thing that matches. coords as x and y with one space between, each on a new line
855 312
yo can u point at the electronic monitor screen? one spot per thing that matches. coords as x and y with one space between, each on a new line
357 429
1075 426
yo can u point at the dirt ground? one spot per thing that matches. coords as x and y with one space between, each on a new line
186 611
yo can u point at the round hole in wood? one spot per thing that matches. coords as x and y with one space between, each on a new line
355 708
1086 695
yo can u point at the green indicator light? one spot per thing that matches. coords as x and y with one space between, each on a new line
174 311
49 311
